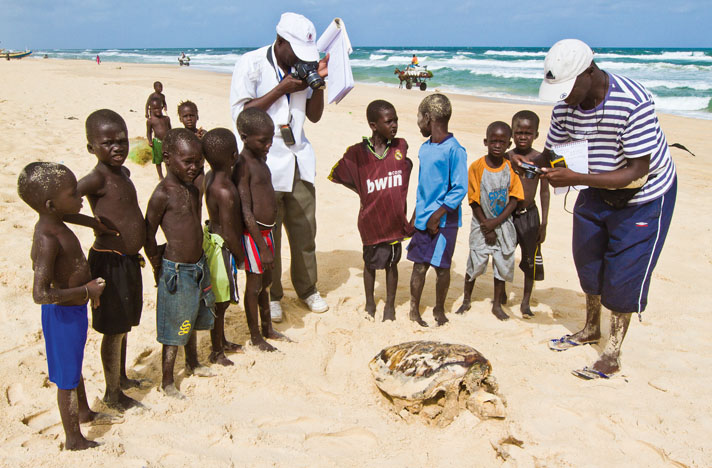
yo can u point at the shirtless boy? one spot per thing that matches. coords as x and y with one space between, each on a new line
185 297
113 200
531 231
259 211
188 116
222 234
63 285
156 94
157 126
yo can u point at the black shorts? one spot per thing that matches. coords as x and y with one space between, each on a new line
381 256
527 226
122 300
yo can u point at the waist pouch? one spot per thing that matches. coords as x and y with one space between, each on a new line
619 198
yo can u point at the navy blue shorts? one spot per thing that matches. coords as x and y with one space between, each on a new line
65 334
615 250
435 250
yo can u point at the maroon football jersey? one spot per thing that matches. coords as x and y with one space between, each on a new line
382 186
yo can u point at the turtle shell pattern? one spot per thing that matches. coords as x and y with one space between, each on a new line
418 370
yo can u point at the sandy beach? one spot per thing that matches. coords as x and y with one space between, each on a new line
314 403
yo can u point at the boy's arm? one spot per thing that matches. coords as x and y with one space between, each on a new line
149 132
232 224
243 188
47 249
458 187
490 235
544 196
154 215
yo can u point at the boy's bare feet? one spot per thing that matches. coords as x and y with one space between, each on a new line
499 313
389 313
171 391
262 345
463 308
371 309
79 443
526 311
439 316
230 347
219 358
414 316
122 403
273 334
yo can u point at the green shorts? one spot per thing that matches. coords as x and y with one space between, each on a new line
157 151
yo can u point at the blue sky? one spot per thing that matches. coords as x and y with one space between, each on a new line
43 24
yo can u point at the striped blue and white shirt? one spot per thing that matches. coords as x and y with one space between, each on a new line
623 126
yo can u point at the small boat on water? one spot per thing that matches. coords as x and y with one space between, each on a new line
6 54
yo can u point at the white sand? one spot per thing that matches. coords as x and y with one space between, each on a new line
314 403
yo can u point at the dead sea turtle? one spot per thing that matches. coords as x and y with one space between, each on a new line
436 380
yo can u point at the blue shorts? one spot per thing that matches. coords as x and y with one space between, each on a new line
65 334
435 250
186 301
615 250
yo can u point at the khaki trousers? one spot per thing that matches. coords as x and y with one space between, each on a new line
296 210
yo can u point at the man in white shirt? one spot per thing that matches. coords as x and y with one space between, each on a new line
262 78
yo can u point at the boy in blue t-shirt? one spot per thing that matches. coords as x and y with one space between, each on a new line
442 184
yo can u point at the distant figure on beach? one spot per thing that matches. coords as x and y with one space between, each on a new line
621 220
156 94
157 127
114 256
531 230
186 302
378 170
262 78
493 192
222 235
63 285
188 116
98 60
259 212
442 184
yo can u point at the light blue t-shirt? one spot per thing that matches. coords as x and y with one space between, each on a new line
442 180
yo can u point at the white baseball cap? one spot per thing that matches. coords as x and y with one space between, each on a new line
564 62
301 35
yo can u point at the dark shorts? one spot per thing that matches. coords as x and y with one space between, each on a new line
185 301
65 334
382 256
121 302
615 250
435 250
527 226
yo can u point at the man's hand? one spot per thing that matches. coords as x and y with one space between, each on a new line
542 234
490 238
560 176
291 84
323 69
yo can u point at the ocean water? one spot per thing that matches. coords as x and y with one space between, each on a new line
680 79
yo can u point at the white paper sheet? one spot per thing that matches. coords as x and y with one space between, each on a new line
335 41
575 154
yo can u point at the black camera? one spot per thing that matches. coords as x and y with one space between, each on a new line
530 170
309 72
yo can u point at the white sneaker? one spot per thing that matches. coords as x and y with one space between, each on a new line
275 311
316 303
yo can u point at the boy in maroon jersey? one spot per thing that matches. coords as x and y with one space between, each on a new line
378 170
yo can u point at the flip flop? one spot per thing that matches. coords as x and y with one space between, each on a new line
564 343
589 373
